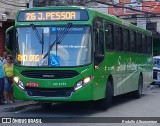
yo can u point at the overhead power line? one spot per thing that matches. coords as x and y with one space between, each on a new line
120 6
15 1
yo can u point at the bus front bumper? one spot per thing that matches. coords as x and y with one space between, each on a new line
83 94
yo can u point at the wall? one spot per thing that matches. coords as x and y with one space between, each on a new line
10 7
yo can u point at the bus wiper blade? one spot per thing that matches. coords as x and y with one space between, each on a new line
66 30
59 38
40 39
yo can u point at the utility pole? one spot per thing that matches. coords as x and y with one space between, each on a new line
30 3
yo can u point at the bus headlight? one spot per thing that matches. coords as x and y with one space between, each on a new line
82 83
16 79
19 83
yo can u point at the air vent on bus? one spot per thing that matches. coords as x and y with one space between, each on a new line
49 74
49 92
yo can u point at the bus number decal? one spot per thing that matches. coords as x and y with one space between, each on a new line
30 16
51 16
33 58
40 16
22 57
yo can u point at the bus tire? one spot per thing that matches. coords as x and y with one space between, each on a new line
105 103
138 93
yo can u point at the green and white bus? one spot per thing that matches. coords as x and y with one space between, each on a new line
77 54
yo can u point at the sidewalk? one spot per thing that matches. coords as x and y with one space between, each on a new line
17 104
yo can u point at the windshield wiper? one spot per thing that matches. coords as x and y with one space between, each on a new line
59 38
40 39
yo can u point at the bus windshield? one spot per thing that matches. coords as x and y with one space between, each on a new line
71 48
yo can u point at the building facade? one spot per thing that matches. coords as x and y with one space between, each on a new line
143 13
8 11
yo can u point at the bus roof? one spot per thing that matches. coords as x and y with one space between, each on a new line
110 18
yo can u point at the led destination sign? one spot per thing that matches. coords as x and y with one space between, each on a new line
53 15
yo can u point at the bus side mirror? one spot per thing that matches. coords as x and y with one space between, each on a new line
9 39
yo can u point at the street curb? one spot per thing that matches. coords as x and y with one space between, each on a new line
17 106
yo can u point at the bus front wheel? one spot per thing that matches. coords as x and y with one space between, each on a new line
105 103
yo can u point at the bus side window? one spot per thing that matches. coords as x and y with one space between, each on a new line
109 39
144 44
132 41
149 45
139 43
126 40
118 38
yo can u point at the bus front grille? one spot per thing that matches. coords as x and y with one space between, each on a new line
49 74
49 92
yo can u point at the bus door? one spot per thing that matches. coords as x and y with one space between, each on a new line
99 55
99 42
